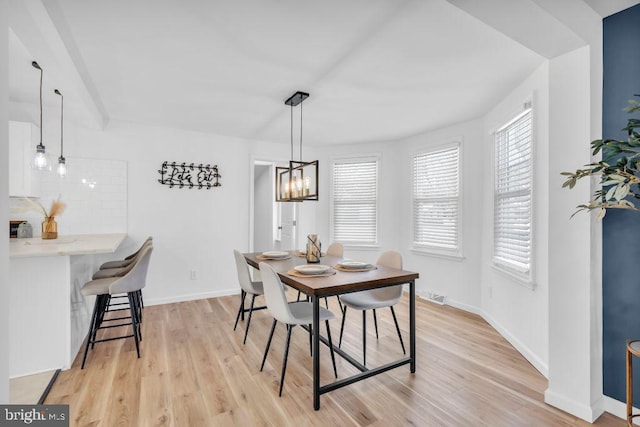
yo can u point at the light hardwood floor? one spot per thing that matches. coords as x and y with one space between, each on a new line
194 371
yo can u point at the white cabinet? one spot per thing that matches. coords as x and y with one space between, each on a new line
23 138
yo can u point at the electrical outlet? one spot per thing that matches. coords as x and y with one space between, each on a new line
193 275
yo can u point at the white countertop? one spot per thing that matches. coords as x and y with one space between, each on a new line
81 244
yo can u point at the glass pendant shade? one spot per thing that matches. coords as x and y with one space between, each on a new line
41 159
62 167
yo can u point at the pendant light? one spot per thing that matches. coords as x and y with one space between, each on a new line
299 181
62 167
41 159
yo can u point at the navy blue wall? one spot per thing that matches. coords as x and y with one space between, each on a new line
621 229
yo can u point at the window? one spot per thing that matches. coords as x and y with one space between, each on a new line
436 200
355 201
512 212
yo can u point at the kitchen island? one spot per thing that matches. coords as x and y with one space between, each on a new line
48 316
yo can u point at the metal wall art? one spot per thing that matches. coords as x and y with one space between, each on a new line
183 175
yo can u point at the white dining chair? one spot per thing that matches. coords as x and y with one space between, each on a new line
375 298
291 314
247 286
336 249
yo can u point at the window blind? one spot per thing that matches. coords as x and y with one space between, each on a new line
436 182
512 235
355 202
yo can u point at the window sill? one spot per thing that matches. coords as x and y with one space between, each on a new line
451 256
519 278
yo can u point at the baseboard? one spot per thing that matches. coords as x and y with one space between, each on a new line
587 412
619 409
190 297
537 363
463 306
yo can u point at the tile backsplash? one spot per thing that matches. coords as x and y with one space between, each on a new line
95 194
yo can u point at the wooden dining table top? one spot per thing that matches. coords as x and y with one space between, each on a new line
339 283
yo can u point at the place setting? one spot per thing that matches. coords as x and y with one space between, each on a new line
312 270
274 255
354 266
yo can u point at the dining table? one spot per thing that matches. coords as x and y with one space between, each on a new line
342 282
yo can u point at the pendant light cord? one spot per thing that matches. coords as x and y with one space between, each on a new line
301 130
291 133
41 73
61 125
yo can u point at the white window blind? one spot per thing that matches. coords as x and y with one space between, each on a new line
512 235
355 202
436 192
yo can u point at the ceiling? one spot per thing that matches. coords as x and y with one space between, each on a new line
377 70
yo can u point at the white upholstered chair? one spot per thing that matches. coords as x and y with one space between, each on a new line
291 314
248 287
375 298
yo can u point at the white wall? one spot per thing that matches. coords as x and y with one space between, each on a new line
4 206
574 370
192 229
457 279
518 312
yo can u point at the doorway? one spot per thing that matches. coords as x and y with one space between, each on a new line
273 225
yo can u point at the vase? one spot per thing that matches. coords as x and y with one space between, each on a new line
49 228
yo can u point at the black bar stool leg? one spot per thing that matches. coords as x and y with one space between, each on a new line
91 326
134 321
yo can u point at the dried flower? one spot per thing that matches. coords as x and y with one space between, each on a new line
57 207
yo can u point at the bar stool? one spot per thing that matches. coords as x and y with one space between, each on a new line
132 282
633 349
128 259
125 266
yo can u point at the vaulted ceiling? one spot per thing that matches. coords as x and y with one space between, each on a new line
376 69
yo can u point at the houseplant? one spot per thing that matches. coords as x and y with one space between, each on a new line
619 170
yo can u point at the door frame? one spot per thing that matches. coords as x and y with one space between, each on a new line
252 163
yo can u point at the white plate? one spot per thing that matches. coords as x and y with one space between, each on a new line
275 254
354 264
312 269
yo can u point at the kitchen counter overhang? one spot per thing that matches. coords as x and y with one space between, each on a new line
82 244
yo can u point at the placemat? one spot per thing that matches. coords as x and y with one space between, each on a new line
293 272
354 270
260 256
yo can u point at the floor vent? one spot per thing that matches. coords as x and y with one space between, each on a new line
435 298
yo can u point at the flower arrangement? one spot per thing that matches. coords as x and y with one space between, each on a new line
57 207
49 225
620 179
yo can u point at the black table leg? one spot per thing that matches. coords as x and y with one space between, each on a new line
412 324
316 352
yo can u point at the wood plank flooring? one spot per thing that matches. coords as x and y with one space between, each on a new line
195 371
